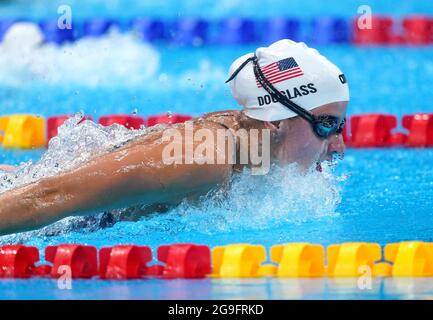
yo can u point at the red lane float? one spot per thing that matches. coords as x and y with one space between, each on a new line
379 33
346 136
364 130
155 271
167 119
185 260
398 139
420 128
418 30
43 270
53 124
124 262
128 121
81 259
17 261
372 130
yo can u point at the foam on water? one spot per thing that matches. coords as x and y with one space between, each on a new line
87 62
254 202
285 195
113 60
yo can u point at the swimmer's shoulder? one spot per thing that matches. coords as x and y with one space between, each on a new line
156 133
227 118
232 120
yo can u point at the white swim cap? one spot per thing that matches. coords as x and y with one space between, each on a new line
300 73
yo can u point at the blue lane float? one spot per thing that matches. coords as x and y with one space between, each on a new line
329 30
52 32
281 28
97 27
149 30
233 31
190 31
236 31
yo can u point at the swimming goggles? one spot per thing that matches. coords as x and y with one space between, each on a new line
323 125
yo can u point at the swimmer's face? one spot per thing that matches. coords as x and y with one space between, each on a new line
294 139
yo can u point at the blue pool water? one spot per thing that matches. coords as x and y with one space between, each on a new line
377 195
208 8
238 289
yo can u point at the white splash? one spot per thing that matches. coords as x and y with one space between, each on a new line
89 61
113 60
252 202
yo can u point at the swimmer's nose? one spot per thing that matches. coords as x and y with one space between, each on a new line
336 146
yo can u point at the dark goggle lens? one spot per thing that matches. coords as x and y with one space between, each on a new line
327 125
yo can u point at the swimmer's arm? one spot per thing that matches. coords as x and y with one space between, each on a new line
116 180
5 167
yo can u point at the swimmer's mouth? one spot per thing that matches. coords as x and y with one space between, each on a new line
319 166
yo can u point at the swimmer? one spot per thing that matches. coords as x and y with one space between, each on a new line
288 89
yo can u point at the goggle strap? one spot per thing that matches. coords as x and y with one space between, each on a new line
235 73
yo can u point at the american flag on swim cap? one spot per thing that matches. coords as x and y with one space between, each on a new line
280 71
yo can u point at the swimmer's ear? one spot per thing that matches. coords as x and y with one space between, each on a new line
272 125
274 128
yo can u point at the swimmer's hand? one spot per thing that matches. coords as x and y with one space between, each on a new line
134 174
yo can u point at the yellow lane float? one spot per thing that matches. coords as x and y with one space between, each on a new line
410 259
299 260
349 259
238 261
22 131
